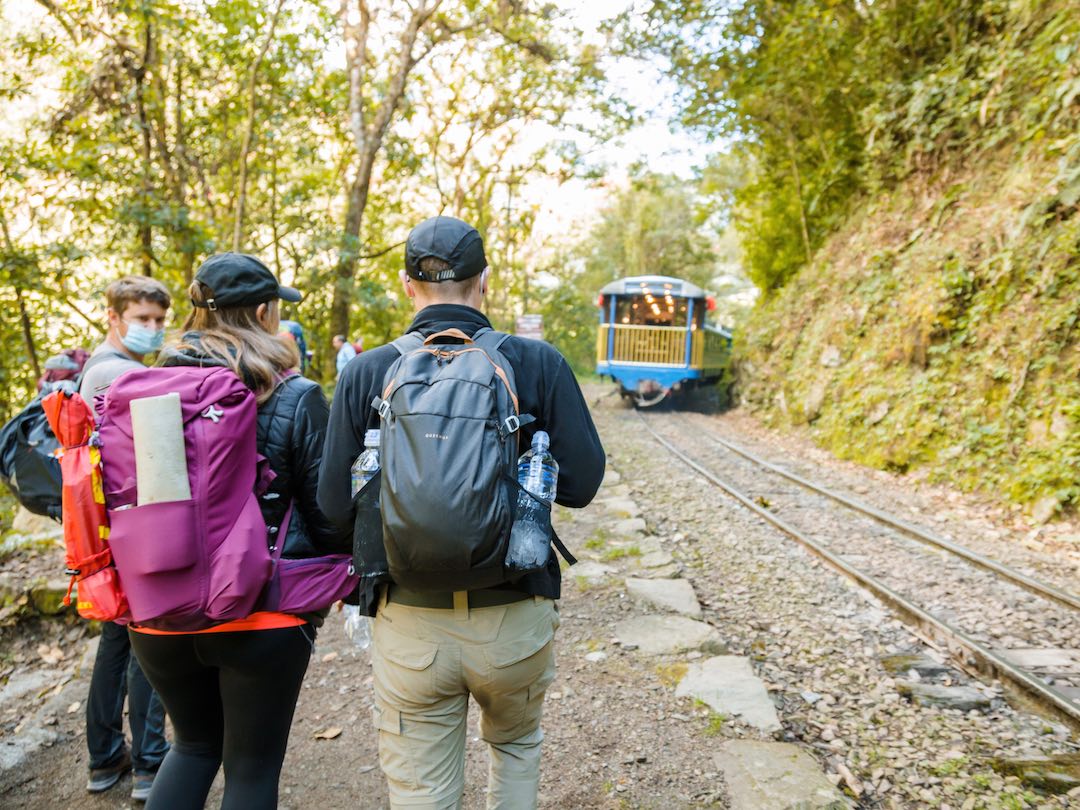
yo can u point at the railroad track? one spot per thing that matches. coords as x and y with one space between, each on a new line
937 586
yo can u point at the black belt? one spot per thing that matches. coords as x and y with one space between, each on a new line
486 597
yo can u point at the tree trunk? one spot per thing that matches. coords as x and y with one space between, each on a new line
249 129
349 252
28 336
145 232
368 139
24 318
799 194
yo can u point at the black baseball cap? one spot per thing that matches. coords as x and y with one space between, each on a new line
455 242
240 280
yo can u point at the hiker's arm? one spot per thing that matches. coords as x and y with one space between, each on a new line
344 442
574 441
309 430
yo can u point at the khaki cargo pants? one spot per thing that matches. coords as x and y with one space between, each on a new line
427 662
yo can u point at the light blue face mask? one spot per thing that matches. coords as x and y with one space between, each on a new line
142 339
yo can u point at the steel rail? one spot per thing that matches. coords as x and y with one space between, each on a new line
1023 580
968 651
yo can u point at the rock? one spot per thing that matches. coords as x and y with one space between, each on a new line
1044 509
1059 773
656 559
666 635
961 698
629 527
663 572
47 598
902 663
611 477
10 589
670 594
26 522
830 357
596 657
727 683
775 776
810 697
623 507
591 572
879 412
814 399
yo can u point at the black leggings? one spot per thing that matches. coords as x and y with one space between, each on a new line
230 697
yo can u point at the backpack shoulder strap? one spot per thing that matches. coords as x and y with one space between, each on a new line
96 358
489 340
409 342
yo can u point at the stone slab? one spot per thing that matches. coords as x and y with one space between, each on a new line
623 507
663 572
629 527
666 635
656 559
775 776
676 595
961 698
728 685
590 571
902 663
1059 773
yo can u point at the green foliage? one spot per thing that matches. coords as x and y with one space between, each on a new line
127 153
826 101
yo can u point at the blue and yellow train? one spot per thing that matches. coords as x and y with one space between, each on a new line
654 341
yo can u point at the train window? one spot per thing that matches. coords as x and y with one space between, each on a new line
648 309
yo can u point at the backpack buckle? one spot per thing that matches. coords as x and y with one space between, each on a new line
511 424
384 409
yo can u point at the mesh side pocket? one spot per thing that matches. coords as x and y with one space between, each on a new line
529 546
369 553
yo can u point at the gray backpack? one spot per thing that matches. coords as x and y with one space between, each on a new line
448 454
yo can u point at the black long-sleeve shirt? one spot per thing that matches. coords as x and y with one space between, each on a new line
546 388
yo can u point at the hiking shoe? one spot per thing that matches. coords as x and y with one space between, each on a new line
140 786
101 779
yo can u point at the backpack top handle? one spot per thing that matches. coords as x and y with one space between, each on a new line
454 333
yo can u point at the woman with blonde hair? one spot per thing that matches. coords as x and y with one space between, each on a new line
231 690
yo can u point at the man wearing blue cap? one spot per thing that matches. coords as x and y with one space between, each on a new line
432 650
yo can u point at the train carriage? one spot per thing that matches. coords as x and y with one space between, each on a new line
653 338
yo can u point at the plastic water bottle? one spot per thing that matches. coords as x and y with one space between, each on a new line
538 471
530 536
369 554
357 627
367 463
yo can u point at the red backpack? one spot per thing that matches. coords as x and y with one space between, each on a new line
86 527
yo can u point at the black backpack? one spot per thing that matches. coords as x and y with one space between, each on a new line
29 451
30 460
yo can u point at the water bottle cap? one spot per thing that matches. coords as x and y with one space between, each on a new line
371 438
541 441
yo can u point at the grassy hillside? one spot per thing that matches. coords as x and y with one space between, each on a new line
938 329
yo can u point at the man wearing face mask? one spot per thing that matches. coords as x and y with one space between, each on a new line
137 307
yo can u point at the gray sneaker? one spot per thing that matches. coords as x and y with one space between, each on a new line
141 783
101 779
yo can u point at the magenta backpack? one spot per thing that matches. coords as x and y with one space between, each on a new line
188 565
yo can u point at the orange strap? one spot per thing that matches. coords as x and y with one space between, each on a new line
265 620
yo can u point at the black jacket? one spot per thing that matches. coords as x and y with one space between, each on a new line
289 433
546 388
